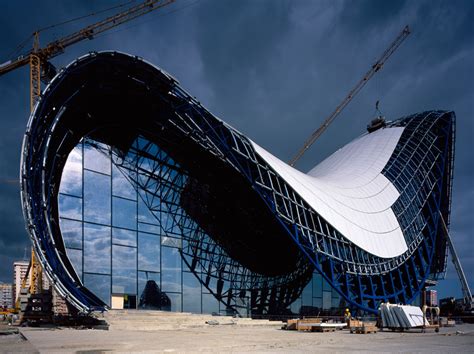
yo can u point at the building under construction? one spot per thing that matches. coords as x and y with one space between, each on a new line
136 196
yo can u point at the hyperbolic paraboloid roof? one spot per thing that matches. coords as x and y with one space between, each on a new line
350 192
367 218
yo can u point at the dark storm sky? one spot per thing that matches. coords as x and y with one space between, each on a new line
273 70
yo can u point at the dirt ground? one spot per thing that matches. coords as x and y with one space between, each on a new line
235 339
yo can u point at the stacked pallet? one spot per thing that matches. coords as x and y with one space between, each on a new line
366 328
312 325
308 324
353 324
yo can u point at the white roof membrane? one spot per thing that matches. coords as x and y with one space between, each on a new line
349 191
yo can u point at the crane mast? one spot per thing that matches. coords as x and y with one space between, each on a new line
375 68
38 57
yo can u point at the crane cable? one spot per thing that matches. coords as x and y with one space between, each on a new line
23 44
155 15
85 16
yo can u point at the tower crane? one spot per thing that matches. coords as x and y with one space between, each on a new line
40 68
374 69
38 57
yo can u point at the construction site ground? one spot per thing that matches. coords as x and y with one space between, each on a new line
189 333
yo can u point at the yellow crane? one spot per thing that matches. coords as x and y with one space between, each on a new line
37 58
40 67
374 69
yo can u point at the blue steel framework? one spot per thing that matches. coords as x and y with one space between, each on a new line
158 182
420 168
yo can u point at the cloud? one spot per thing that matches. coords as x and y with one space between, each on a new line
274 70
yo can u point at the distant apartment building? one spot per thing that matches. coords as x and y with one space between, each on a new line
19 270
6 295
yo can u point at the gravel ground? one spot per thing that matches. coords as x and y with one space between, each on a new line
14 342
236 339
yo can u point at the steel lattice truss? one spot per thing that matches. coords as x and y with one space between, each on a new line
160 182
177 150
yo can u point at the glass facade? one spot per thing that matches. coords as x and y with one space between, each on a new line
118 247
173 209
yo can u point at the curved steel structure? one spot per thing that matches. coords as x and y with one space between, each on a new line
367 218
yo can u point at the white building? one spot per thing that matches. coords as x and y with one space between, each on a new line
19 270
6 295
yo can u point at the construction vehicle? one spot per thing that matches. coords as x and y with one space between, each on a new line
35 303
372 71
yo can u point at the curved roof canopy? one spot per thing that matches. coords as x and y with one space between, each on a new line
349 190
366 218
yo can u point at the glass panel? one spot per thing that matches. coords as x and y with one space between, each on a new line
70 207
326 300
144 214
212 283
124 270
189 259
97 241
209 304
71 179
170 241
191 293
124 213
75 256
99 285
336 298
318 302
170 269
307 295
317 285
148 252
96 198
124 237
169 225
326 285
175 303
335 302
71 232
149 228
96 160
296 306
149 293
121 186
